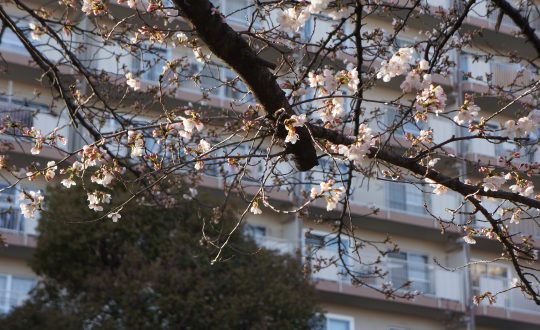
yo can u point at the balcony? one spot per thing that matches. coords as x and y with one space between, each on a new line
426 279
18 111
11 299
14 290
476 69
11 220
507 305
280 245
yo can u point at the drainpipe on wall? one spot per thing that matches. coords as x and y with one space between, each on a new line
469 319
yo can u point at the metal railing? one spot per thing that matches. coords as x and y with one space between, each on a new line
11 299
426 279
11 219
281 245
511 301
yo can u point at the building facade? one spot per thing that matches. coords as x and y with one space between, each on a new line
430 260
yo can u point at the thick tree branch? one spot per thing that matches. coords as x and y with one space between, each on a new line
228 45
415 167
521 22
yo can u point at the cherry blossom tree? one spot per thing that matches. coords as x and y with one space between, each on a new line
304 113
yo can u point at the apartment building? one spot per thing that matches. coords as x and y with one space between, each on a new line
431 261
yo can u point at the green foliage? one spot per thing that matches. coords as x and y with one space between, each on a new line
151 271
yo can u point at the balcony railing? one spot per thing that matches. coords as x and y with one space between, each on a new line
11 299
281 245
11 219
426 279
512 301
502 73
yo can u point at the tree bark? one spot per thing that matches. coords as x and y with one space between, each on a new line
228 45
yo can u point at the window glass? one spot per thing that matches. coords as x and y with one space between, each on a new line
337 324
314 240
256 232
3 291
20 287
407 197
10 215
409 125
235 8
409 267
151 63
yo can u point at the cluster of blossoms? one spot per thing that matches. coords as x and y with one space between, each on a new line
132 82
293 18
516 217
291 124
331 195
255 208
438 189
358 151
136 142
432 99
399 64
94 7
417 78
36 31
331 112
97 198
200 56
328 81
522 187
49 172
30 202
187 126
191 194
114 216
90 156
328 84
467 112
74 170
40 140
183 127
106 173
495 181
204 146
523 126
35 134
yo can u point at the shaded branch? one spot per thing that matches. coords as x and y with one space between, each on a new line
228 45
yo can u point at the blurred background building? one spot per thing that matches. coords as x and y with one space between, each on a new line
446 292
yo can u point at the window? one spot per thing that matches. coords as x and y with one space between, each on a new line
322 250
14 291
327 168
21 111
338 322
10 41
234 89
404 267
407 198
489 277
406 43
10 214
255 232
236 10
409 125
315 240
150 63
